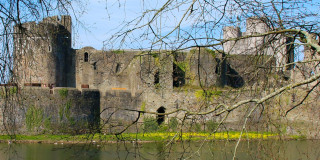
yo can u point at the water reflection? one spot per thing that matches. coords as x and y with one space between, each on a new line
270 149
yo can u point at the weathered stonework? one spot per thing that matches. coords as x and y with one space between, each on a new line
42 51
255 45
66 110
110 87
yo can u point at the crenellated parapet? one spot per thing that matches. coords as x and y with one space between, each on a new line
256 25
256 45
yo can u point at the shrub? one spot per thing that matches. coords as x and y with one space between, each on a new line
207 94
196 127
211 125
173 123
150 124
163 128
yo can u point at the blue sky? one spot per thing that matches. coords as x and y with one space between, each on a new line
101 19
98 24
95 24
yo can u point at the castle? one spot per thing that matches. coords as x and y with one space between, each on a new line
111 83
44 57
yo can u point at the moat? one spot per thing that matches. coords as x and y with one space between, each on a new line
267 149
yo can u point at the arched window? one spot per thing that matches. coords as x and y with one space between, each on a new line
86 57
160 118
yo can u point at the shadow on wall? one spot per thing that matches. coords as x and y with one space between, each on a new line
178 76
231 77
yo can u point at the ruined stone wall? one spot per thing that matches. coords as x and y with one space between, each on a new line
103 70
305 70
302 120
156 70
137 71
194 100
60 110
122 70
203 67
279 48
270 117
119 109
249 69
52 62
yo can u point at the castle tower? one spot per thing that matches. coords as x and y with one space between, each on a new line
256 25
41 50
230 32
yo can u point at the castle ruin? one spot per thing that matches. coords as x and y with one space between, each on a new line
123 80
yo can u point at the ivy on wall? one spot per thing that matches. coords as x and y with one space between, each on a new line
34 118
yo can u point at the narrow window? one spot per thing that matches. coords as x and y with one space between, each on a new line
49 48
95 65
160 118
290 53
118 68
178 75
86 57
156 79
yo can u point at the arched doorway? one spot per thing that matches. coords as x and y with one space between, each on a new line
160 118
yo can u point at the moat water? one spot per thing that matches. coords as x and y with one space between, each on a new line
270 149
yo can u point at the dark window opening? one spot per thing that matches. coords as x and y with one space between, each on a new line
156 79
86 57
290 59
178 76
290 54
95 65
160 118
233 78
227 75
220 71
118 68
49 48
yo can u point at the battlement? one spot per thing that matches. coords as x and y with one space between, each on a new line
253 25
231 32
256 45
64 20
46 28
256 25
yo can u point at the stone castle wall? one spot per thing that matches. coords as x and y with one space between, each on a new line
109 87
58 110
68 110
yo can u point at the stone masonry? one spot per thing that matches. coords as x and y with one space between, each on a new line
119 82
